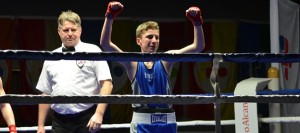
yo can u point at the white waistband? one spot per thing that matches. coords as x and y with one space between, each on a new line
147 118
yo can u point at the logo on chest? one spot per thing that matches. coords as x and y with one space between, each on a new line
80 63
149 76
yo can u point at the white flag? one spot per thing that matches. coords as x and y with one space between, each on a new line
288 20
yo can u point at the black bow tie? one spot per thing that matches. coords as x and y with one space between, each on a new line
70 49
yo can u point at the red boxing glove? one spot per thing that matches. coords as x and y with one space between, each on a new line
12 129
194 15
113 9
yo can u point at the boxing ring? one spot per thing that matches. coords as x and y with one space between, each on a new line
216 98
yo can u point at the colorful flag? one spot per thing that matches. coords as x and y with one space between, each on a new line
223 39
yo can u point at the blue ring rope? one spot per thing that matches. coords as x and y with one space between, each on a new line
263 92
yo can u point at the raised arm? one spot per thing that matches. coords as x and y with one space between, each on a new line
113 9
194 15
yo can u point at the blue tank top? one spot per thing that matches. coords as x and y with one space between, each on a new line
154 81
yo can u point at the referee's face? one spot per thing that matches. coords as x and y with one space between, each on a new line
69 33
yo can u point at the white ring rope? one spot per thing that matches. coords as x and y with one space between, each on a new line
181 99
181 124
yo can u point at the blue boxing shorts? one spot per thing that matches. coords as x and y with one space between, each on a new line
153 123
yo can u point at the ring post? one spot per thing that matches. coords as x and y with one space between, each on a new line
214 82
246 119
274 108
